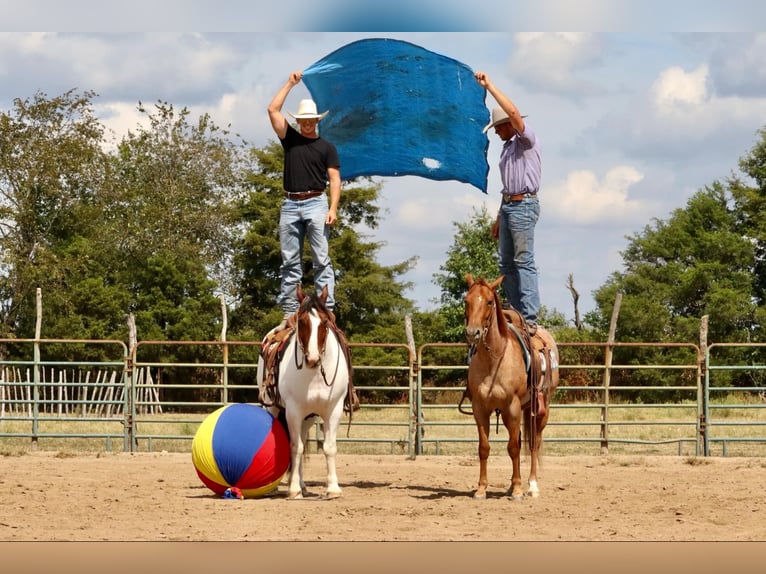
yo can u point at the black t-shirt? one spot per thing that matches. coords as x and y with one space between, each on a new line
306 161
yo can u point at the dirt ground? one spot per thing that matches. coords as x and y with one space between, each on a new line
158 497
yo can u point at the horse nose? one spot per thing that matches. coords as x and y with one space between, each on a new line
472 334
312 361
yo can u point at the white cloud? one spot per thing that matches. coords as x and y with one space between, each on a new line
555 62
584 199
675 88
429 209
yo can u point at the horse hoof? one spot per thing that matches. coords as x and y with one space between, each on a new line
294 495
332 495
533 493
479 495
517 496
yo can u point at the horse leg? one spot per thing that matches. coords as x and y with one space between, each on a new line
297 441
306 425
512 422
482 424
330 448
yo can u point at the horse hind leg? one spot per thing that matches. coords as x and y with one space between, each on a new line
533 430
306 425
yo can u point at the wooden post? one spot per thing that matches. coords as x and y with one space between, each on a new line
131 390
36 371
607 374
416 410
225 374
703 388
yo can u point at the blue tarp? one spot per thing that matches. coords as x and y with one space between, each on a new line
399 109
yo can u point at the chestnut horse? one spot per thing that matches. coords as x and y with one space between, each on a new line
311 378
510 374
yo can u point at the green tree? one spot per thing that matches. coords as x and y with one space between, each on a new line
472 251
750 208
51 169
696 263
169 222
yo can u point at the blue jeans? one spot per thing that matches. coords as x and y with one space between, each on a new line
298 220
516 244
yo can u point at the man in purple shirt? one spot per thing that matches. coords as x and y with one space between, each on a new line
514 228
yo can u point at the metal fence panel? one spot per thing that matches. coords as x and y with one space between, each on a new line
136 400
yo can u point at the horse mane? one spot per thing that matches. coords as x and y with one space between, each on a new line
502 324
313 301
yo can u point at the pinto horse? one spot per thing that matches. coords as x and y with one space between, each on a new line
313 380
510 374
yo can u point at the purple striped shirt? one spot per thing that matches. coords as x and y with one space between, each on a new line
520 165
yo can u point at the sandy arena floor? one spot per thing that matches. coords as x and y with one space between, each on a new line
158 497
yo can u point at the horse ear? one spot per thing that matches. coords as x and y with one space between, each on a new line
299 293
469 279
496 282
324 294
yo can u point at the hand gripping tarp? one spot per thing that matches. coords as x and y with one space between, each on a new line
399 109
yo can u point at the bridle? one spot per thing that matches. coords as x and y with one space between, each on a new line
300 351
487 323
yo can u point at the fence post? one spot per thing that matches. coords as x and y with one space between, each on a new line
130 389
607 374
225 374
414 396
36 369
703 389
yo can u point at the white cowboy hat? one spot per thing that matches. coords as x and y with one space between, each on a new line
498 117
307 110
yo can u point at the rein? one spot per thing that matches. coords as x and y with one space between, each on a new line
337 363
299 365
496 360
484 333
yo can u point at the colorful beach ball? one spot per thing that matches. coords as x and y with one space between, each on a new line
243 446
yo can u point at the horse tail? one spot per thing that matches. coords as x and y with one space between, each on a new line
530 427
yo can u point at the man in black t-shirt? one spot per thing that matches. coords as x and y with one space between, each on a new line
310 164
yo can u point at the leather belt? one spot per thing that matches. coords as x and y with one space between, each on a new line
507 197
301 195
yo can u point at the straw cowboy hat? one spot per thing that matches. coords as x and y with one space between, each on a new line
498 117
307 110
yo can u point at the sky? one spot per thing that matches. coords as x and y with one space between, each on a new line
632 120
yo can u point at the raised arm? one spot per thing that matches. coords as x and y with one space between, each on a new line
503 101
277 118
